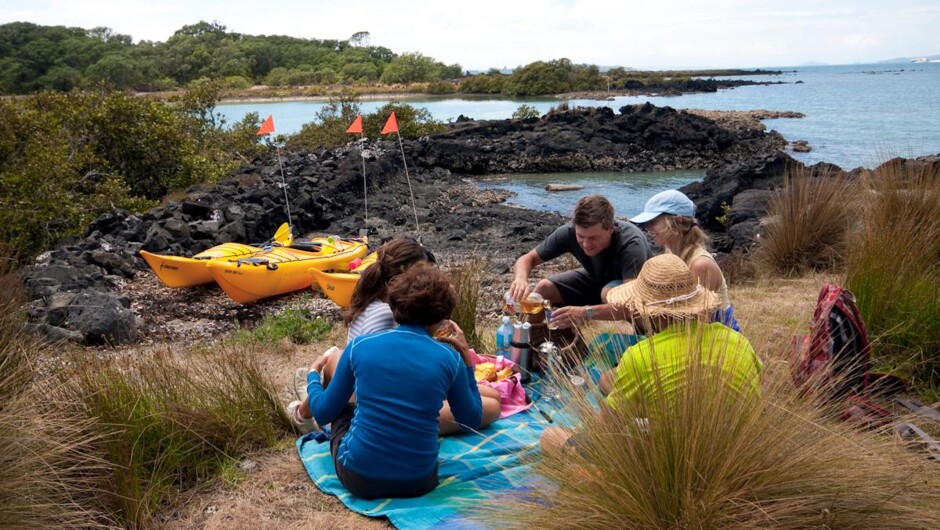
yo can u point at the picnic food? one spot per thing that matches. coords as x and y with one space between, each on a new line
487 372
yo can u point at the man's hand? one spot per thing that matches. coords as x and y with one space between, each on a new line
568 316
518 290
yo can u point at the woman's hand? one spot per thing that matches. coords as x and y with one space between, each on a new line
318 363
457 339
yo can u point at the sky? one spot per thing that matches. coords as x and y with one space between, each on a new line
482 34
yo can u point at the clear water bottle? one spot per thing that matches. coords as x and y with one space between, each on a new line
503 337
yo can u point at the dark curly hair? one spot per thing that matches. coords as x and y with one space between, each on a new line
394 257
422 296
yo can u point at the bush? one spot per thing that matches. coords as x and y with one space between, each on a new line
525 111
707 458
441 87
333 119
296 324
166 424
67 158
893 267
808 223
483 84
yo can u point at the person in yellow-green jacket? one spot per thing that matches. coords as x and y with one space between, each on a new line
672 303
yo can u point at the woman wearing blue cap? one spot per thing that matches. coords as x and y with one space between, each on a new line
669 218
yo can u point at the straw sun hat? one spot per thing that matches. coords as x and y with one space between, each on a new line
664 287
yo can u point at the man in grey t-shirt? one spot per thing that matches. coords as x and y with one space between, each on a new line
609 252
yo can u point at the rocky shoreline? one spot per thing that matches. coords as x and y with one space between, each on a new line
96 290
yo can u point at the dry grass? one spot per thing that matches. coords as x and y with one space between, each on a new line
47 469
710 458
807 225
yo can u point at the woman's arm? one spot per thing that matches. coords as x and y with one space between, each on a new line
707 272
327 404
463 394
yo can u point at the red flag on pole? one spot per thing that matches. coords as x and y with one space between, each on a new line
356 126
267 126
391 125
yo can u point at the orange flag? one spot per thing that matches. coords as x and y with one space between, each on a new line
356 126
267 126
391 125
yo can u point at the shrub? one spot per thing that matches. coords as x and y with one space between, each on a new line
808 223
525 111
441 87
707 458
166 424
483 84
893 267
297 324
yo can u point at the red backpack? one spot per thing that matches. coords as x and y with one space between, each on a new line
836 355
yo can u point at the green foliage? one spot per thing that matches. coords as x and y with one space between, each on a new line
490 83
725 213
525 111
335 117
295 323
893 268
441 87
540 78
413 122
416 68
329 127
166 425
67 158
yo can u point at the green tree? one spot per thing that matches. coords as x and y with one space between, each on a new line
540 78
411 68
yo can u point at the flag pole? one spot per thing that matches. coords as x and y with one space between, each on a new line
268 128
408 178
365 190
290 222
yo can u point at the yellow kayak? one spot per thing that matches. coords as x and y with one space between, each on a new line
178 271
339 286
281 270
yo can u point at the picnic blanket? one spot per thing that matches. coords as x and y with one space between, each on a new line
473 466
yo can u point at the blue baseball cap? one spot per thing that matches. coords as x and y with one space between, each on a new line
672 202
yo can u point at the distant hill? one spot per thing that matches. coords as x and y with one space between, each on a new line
916 59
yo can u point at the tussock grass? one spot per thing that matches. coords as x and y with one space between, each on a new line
167 425
808 224
46 469
708 457
467 279
893 267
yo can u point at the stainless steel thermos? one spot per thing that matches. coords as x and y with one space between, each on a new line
520 350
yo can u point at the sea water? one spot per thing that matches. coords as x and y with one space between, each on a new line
856 115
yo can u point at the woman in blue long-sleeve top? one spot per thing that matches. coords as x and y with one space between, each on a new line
386 444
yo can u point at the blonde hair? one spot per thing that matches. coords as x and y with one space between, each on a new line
686 233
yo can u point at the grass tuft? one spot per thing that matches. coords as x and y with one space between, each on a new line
893 267
808 224
47 469
166 425
706 457
467 279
